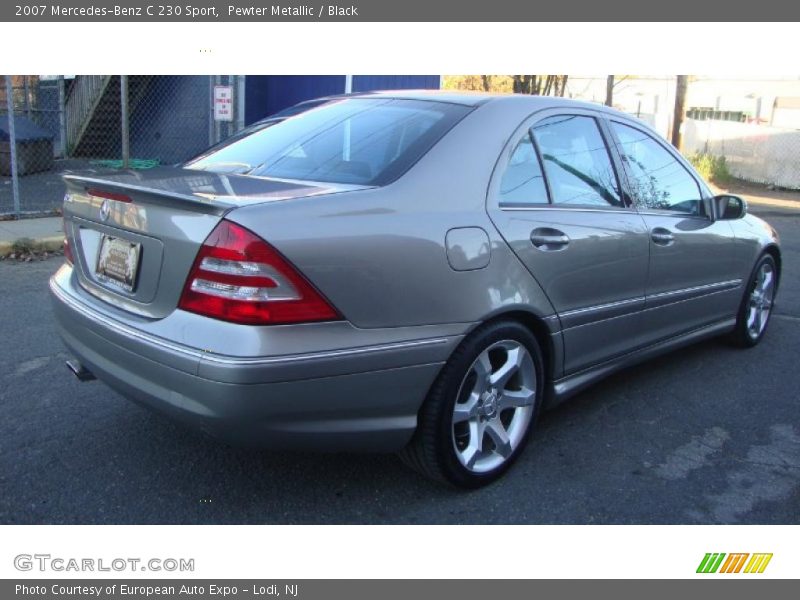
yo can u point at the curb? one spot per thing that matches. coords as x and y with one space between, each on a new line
790 204
48 244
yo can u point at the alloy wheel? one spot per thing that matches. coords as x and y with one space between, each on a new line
494 405
760 301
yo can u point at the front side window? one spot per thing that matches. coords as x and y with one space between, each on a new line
658 181
522 182
576 161
365 141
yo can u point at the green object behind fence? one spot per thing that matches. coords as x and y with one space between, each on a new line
134 163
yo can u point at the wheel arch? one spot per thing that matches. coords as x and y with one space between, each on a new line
551 348
775 252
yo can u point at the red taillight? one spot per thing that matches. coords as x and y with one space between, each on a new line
238 277
97 193
67 248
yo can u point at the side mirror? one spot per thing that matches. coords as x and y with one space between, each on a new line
730 207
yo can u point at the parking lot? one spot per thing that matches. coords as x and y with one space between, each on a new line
710 434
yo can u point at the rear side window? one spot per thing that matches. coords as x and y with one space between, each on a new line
357 140
576 161
658 181
522 182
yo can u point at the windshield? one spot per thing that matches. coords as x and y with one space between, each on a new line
362 141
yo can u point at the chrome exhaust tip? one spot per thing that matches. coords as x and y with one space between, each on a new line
81 372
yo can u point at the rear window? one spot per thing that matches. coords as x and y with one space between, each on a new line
361 141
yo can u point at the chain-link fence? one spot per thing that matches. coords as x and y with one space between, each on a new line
53 124
753 152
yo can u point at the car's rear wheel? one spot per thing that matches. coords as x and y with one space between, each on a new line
756 308
479 412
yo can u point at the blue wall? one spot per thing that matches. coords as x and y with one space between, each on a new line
268 94
170 122
368 83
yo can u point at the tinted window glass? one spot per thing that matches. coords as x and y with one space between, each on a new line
657 179
522 181
297 108
358 140
576 161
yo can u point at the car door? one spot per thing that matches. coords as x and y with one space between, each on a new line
692 278
556 199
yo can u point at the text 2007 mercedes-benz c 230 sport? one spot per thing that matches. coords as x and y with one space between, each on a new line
404 271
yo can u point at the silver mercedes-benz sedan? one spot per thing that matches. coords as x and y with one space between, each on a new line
418 272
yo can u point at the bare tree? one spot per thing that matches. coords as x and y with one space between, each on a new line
522 84
681 86
563 88
540 85
612 81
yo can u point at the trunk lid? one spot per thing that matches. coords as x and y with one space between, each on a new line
135 234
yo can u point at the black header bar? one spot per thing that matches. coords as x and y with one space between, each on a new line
406 10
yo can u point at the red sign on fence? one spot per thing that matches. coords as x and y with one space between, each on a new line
223 103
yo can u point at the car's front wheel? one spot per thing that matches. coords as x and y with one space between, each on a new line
479 412
756 307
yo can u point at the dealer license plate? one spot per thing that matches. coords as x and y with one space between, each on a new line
118 262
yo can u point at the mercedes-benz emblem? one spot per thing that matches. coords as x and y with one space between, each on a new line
105 210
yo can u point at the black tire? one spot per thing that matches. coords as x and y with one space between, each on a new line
432 450
742 335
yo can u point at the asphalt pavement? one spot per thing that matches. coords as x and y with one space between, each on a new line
709 434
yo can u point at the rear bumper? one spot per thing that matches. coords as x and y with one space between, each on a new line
353 398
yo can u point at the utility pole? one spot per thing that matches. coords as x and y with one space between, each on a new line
126 141
610 90
681 86
12 142
27 89
240 102
217 124
62 119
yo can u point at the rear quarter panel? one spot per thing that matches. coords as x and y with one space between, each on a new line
379 254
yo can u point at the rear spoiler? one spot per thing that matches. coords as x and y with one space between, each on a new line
162 197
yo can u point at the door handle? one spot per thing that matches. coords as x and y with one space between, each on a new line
662 237
548 239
